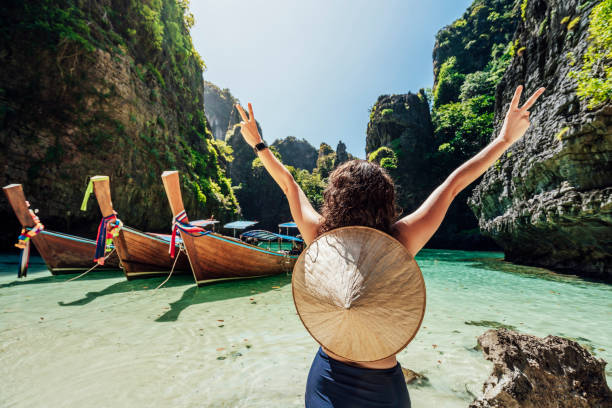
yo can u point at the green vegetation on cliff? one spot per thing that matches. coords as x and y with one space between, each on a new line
595 76
476 49
421 144
106 87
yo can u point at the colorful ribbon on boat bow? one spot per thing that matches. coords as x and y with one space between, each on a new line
179 225
24 244
107 230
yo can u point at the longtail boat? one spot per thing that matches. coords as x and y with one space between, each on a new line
142 254
214 256
63 253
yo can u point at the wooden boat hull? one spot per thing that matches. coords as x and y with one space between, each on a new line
146 255
215 256
63 253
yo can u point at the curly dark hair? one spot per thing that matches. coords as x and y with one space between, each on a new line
359 192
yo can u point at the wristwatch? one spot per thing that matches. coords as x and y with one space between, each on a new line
260 146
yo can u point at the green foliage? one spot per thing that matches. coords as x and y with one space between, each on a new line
326 162
573 23
449 83
493 16
154 28
477 83
462 112
595 76
484 26
524 9
382 153
562 132
446 147
386 112
372 112
564 20
311 183
464 126
225 151
157 74
459 23
389 163
543 26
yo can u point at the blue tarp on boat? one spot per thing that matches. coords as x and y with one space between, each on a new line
288 225
240 224
269 236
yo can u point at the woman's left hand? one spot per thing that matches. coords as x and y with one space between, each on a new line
248 126
517 122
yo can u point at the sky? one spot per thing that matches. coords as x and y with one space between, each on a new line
312 69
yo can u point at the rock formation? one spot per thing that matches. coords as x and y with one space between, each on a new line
469 58
218 106
403 123
104 87
341 154
531 372
297 153
548 201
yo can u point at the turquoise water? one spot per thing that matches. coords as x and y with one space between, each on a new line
103 341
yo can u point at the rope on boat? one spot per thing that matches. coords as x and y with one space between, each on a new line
107 230
23 243
178 226
181 249
92 268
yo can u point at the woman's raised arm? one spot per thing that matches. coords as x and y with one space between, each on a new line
304 215
417 228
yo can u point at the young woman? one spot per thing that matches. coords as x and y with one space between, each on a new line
362 193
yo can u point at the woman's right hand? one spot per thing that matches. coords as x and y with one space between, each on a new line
248 126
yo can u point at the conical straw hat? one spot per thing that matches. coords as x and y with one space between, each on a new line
359 293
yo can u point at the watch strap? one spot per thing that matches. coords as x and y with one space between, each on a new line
259 146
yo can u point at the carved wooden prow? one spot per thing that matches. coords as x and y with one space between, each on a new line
16 197
172 185
101 186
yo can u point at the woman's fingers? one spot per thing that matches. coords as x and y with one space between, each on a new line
533 98
251 114
242 113
516 98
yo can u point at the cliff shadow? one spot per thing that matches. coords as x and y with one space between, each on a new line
221 290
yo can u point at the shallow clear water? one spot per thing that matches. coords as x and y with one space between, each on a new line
103 341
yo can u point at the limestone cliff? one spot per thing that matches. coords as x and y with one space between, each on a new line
218 106
548 201
104 87
469 58
297 153
403 123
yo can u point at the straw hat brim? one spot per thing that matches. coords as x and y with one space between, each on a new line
359 293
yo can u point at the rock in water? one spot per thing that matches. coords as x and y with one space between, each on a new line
548 200
532 372
414 378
